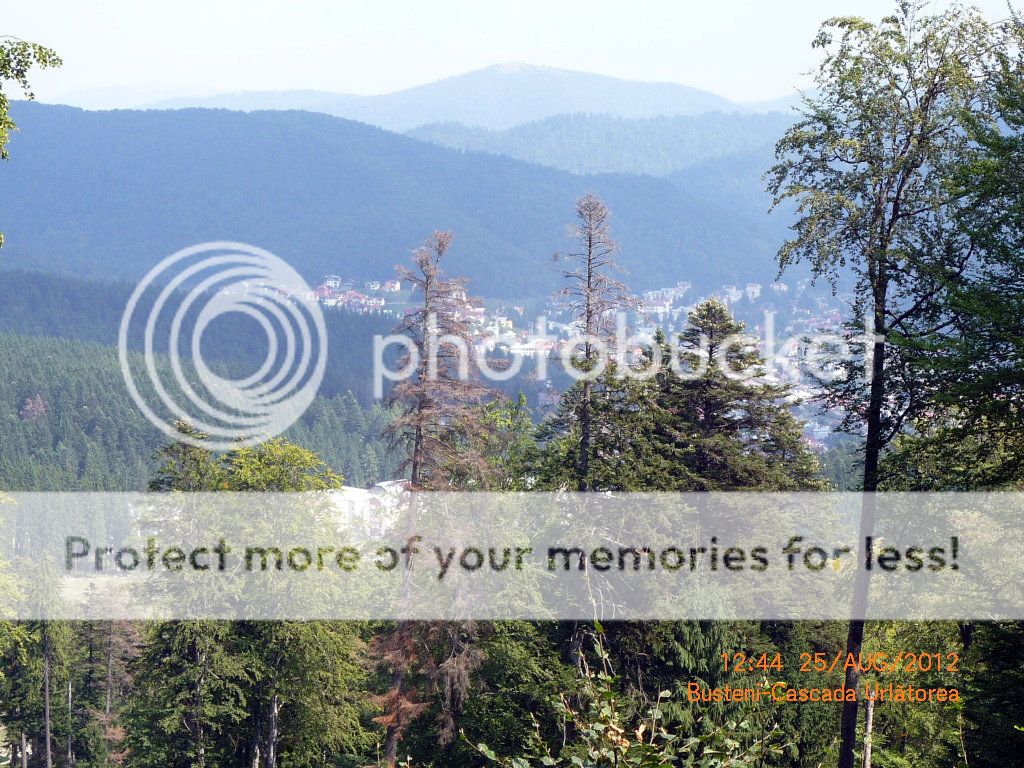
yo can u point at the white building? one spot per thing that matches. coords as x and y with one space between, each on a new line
369 511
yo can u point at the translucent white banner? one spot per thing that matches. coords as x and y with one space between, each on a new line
352 555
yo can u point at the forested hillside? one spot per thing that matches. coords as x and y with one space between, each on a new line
68 423
589 143
90 310
108 194
738 177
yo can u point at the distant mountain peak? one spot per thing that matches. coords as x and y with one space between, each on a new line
515 67
499 96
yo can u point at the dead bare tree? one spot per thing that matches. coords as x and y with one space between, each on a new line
593 296
437 401
439 429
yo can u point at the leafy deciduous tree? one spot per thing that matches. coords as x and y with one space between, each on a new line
17 58
869 166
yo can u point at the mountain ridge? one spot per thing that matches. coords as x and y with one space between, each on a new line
108 194
587 143
498 96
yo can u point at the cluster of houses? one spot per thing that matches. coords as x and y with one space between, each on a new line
670 305
371 296
799 312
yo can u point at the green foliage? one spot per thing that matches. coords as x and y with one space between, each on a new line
349 438
909 735
9 592
308 675
196 696
692 427
716 431
843 465
39 646
889 115
621 415
993 710
871 167
17 59
810 728
14 651
88 434
955 450
247 688
514 694
85 434
973 438
37 304
608 731
509 443
274 466
659 656
210 694
278 466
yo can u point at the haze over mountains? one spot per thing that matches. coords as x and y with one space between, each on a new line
498 156
500 96
108 194
587 143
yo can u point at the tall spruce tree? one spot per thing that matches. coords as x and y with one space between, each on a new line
720 423
195 697
709 432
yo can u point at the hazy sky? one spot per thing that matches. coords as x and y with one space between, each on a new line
742 50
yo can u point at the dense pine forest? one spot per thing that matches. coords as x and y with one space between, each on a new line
68 423
904 173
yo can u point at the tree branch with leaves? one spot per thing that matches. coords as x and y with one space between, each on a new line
17 59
